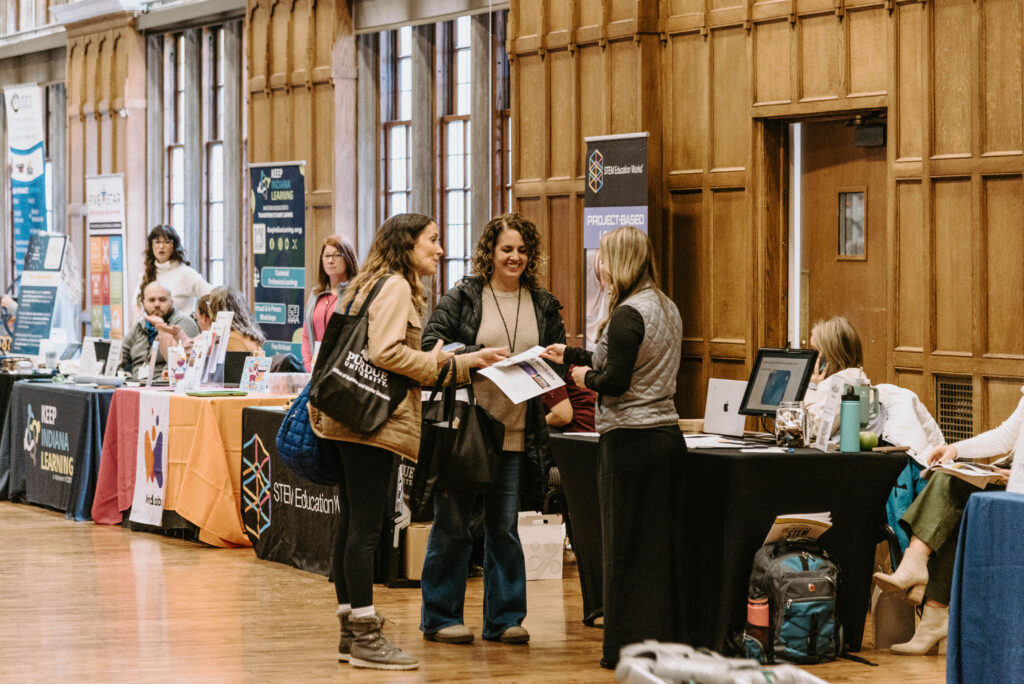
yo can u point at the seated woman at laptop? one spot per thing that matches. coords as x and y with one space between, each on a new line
840 360
246 334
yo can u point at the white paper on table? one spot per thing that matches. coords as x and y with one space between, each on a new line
523 376
701 441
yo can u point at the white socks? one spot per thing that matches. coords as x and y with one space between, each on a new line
344 608
364 611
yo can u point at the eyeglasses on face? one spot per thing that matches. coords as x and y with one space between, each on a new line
162 241
331 257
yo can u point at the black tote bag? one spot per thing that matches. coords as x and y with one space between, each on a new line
345 386
459 446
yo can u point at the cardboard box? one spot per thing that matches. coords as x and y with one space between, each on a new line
416 535
543 540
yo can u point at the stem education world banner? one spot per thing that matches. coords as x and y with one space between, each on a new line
278 204
615 195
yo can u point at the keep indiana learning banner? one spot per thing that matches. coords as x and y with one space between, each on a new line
24 105
52 437
278 204
615 195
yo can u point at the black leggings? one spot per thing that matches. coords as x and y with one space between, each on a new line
363 495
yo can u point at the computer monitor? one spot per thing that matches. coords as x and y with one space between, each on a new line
778 375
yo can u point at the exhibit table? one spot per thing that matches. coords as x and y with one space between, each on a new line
203 461
986 611
287 519
730 500
50 450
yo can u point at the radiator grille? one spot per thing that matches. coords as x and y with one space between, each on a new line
956 407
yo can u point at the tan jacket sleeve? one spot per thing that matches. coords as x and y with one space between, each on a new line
390 316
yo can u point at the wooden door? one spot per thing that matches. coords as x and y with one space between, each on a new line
843 252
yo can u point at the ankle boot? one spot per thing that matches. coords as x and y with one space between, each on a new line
372 650
930 637
345 645
910 577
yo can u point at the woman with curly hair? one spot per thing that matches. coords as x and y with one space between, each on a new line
501 305
164 260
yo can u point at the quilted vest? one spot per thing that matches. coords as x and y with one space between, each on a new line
649 400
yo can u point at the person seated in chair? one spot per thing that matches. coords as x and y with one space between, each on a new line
933 520
840 360
158 310
570 408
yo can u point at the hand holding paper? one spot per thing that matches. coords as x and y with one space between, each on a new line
523 376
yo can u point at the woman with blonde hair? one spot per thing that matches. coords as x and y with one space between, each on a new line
840 361
405 249
633 369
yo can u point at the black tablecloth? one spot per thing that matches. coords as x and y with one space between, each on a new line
731 500
50 452
287 519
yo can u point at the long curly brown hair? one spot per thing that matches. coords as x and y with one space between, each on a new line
391 252
483 258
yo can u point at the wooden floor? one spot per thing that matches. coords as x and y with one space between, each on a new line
90 603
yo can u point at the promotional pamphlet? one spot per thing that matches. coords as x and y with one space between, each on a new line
254 374
523 376
793 526
980 475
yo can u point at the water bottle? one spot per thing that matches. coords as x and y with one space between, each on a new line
849 422
757 636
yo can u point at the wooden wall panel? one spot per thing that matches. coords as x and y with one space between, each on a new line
559 16
691 388
681 7
820 58
1000 398
911 271
620 10
729 282
530 144
625 83
687 246
952 57
1003 199
730 105
592 96
910 98
688 104
773 62
591 12
563 240
562 122
868 51
954 235
914 381
1000 101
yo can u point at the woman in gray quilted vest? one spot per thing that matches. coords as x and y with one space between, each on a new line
633 369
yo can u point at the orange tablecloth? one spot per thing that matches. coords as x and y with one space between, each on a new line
203 464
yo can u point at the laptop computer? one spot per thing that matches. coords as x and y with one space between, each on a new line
721 412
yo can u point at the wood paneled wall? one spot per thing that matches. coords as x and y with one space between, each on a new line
106 123
715 82
301 58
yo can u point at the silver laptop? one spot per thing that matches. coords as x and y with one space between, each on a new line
721 412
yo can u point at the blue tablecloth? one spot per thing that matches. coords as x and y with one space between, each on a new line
52 439
986 612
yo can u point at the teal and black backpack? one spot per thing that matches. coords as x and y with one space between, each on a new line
801 582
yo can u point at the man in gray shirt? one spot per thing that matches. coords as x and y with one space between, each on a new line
135 349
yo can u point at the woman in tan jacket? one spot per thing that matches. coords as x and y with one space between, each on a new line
406 247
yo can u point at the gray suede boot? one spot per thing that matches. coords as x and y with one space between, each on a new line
345 645
371 649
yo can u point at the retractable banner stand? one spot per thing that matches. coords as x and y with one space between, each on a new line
278 204
24 104
616 195
105 203
38 298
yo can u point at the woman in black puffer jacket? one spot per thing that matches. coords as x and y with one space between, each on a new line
502 304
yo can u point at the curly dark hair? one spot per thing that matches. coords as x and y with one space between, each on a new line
149 259
483 258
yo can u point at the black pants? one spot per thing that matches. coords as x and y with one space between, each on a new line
363 495
640 492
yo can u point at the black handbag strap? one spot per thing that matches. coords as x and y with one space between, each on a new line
440 380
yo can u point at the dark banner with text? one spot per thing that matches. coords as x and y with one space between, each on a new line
278 204
615 195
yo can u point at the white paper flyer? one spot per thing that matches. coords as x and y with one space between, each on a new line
523 376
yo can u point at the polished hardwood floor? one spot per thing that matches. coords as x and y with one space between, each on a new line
89 603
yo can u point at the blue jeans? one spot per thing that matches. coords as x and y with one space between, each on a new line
448 549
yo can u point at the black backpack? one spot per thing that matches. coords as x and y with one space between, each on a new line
800 581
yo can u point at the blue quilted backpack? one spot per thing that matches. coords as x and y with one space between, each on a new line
299 447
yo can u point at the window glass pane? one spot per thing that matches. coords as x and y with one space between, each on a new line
177 189
462 32
215 177
216 273
215 237
462 99
405 41
456 246
455 137
851 224
456 177
398 203
405 105
178 217
456 270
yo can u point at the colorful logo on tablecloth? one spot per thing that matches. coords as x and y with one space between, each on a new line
30 440
255 486
154 445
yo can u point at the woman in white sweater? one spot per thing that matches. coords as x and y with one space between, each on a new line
165 261
933 520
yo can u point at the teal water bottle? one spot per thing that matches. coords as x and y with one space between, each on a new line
849 422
